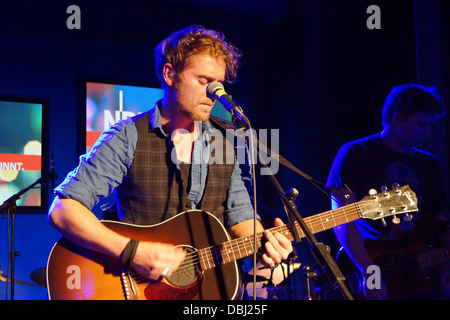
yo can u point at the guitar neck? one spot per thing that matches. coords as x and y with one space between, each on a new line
433 257
243 247
323 221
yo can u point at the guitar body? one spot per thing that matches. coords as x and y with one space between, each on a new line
75 273
400 266
400 269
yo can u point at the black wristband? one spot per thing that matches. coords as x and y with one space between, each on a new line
129 252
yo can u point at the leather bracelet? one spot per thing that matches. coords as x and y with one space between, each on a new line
129 252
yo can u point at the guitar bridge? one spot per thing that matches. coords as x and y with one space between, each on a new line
130 291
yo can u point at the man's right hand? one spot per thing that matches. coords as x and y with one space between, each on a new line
153 258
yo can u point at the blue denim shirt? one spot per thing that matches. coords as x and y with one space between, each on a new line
102 169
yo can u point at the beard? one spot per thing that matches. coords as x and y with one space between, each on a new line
200 112
189 107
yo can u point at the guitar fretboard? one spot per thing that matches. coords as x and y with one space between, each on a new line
243 247
433 257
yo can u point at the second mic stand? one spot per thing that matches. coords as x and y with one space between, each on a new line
9 208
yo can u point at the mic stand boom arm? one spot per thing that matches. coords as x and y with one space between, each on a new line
318 249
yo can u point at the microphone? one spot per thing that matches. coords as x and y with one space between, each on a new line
216 91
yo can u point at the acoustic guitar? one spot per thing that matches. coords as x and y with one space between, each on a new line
209 271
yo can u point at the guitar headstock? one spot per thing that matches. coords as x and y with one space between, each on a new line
398 201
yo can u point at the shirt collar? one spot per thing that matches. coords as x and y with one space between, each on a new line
155 121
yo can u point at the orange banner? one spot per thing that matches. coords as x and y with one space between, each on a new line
92 137
14 161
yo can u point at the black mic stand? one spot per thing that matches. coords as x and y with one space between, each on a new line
318 249
241 122
9 208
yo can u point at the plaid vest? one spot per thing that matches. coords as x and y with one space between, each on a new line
155 189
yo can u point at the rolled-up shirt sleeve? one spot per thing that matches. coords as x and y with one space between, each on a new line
102 169
238 207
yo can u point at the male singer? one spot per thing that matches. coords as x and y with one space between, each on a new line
150 187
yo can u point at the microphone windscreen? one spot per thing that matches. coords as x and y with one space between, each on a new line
212 88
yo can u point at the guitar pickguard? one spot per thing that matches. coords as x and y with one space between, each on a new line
183 284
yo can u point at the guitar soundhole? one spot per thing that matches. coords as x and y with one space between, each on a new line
189 270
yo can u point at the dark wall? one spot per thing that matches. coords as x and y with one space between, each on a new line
311 69
327 78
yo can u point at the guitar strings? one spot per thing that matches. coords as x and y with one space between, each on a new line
217 253
210 256
214 254
314 222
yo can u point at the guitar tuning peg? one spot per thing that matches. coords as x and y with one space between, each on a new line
383 189
395 185
372 192
407 217
395 220
383 222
